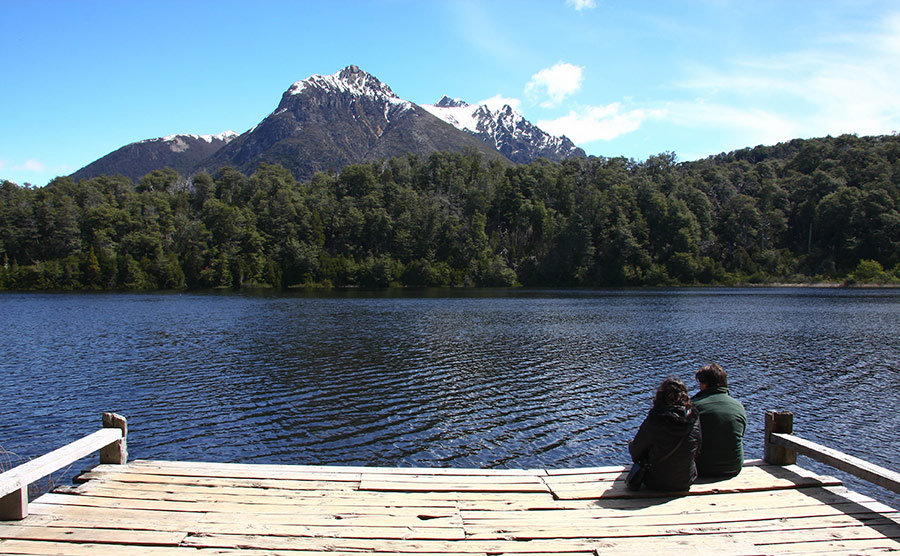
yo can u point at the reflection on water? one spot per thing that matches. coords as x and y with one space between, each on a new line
446 378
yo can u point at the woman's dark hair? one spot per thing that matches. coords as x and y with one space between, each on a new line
712 375
672 392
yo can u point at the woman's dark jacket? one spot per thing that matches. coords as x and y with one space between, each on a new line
658 435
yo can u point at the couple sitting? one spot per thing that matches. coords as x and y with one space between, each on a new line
683 437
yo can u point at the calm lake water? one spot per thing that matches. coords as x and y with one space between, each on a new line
491 378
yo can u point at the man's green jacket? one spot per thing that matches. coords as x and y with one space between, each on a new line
723 421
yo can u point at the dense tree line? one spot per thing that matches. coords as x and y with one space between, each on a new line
822 209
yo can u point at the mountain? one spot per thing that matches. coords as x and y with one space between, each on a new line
326 122
179 152
505 130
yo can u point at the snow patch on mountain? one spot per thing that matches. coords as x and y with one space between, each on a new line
353 81
503 128
456 113
225 136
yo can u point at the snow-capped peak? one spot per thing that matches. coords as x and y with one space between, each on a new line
447 102
503 128
474 118
224 136
350 80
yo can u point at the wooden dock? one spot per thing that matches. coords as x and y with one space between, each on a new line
163 508
160 508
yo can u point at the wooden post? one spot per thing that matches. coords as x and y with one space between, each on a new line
117 452
14 506
779 421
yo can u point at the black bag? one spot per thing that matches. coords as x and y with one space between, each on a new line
636 476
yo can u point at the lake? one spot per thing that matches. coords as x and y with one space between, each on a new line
463 378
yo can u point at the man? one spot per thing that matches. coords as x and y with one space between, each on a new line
722 421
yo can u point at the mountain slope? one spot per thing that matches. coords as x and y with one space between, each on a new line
179 152
328 122
505 130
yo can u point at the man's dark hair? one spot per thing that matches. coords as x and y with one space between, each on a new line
672 392
712 376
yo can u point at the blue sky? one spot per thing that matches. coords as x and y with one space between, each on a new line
83 78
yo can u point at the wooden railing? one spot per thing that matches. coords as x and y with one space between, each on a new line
782 447
110 441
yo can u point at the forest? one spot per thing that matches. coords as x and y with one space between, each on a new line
804 211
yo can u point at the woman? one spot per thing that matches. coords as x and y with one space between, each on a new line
669 439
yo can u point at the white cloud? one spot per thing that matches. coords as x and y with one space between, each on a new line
31 171
30 165
556 82
754 125
847 84
581 4
497 102
599 123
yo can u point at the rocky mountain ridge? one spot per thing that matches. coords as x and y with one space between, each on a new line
182 152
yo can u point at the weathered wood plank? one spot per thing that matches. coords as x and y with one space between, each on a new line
333 469
855 547
720 545
250 504
226 472
344 519
858 498
20 547
761 473
553 518
817 525
750 479
613 469
502 480
52 548
92 535
427 486
549 546
61 527
875 474
616 469
443 483
53 500
333 531
146 513
389 546
662 507
286 484
662 503
122 523
188 516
